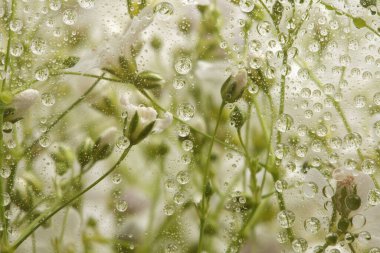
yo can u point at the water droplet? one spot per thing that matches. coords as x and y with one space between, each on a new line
55 5
179 83
47 99
310 189
263 28
360 101
116 178
369 166
374 197
42 74
352 141
282 237
358 221
16 25
121 205
312 225
284 123
70 17
364 236
328 191
44 141
122 142
286 218
246 5
179 198
376 98
187 145
169 209
17 49
6 199
185 111
86 4
38 46
5 172
299 245
183 130
281 185
164 10
183 177
183 65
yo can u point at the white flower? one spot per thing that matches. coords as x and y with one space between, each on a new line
146 116
162 124
24 100
21 103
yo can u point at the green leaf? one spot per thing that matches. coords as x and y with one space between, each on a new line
359 23
329 7
133 124
277 11
144 133
69 62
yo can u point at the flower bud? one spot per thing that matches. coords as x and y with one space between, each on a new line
149 80
234 86
20 104
64 159
104 144
84 152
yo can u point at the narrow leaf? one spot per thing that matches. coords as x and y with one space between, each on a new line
277 11
133 124
359 23
144 133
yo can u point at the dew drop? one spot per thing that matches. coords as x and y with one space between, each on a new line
312 225
86 4
69 17
183 177
122 142
299 245
47 99
183 65
185 111
374 197
121 205
286 218
246 5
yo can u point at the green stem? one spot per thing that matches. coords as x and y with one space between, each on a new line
43 218
7 55
3 238
64 222
206 178
63 114
340 12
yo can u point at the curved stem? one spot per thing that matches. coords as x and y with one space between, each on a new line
43 218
